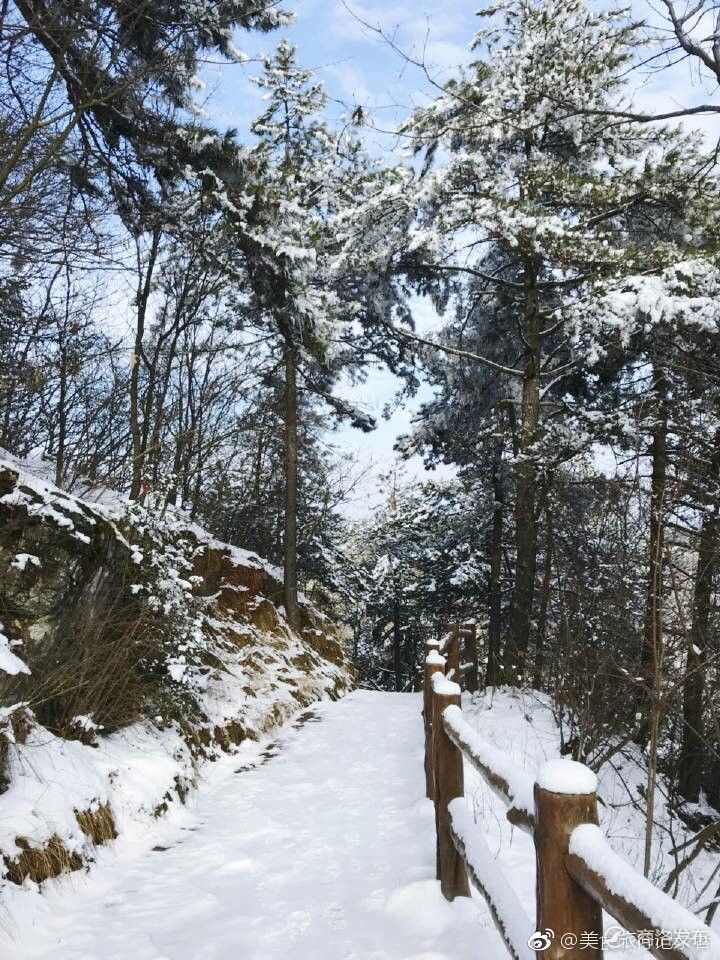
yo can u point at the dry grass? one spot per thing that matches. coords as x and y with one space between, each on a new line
22 722
91 669
106 662
100 674
97 824
54 858
41 863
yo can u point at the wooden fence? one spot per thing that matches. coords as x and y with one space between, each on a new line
578 874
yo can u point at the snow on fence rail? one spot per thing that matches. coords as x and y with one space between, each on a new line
513 785
578 874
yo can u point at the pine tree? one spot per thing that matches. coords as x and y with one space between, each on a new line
421 564
539 202
304 287
127 74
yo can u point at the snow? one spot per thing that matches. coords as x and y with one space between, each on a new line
23 559
85 723
300 856
34 482
520 785
444 687
285 852
10 663
518 729
589 844
51 778
511 916
566 776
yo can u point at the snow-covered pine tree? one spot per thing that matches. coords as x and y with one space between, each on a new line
537 203
421 559
120 83
302 287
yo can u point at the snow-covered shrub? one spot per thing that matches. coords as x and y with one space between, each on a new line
180 656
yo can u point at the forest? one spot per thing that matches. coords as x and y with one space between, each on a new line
191 315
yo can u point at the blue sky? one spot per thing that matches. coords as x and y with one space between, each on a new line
358 67
355 64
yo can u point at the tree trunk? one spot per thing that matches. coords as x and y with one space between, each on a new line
493 676
650 654
292 610
470 655
155 396
521 608
62 418
136 428
544 599
692 751
397 640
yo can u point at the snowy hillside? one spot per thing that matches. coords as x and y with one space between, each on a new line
134 649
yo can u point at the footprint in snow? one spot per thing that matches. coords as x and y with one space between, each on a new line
298 922
335 916
235 866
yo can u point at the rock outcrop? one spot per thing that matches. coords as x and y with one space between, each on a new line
126 629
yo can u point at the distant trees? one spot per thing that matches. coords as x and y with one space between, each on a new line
419 564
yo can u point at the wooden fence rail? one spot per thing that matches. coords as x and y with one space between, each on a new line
578 874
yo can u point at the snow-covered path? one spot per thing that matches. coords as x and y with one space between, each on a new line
325 852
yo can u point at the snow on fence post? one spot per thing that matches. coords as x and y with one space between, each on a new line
452 652
565 796
434 663
470 654
448 770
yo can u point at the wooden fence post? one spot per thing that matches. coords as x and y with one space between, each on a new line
452 653
565 796
470 655
448 767
434 663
